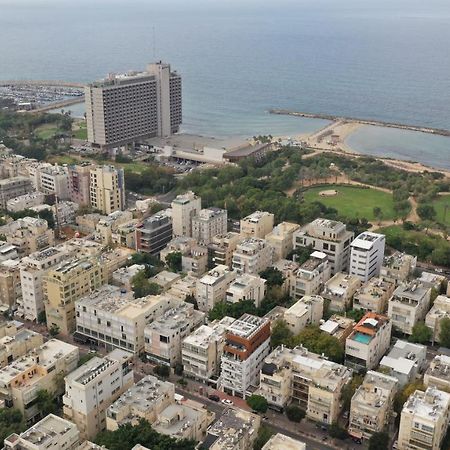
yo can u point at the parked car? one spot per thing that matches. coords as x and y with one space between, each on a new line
214 397
225 401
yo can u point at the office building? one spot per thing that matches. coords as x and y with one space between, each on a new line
367 255
373 295
339 291
209 223
211 288
154 233
107 189
424 420
93 387
252 256
247 343
221 249
409 305
12 188
257 225
368 342
281 239
184 208
79 183
306 311
440 310
247 287
398 267
438 373
282 442
371 405
25 201
327 236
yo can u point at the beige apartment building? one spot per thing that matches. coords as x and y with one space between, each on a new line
221 249
10 288
339 291
212 287
409 305
195 261
288 269
282 442
42 368
93 387
209 223
79 183
12 188
398 267
26 201
184 208
304 378
372 405
107 189
179 244
66 283
330 237
257 225
438 373
339 327
306 311
440 310
252 256
247 287
281 239
424 420
373 295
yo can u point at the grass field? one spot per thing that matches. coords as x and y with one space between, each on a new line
79 130
441 213
62 159
354 202
46 131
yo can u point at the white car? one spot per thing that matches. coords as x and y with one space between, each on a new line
225 401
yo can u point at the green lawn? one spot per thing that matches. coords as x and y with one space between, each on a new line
46 131
439 205
354 202
63 159
79 131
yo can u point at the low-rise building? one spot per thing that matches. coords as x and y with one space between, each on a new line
12 188
409 305
368 342
438 373
221 249
339 291
209 223
183 288
65 213
8 252
123 277
93 387
306 311
163 337
398 267
247 287
180 244
424 420
257 225
154 233
372 405
367 255
252 256
165 279
282 442
195 262
440 310
281 239
339 327
25 201
434 281
373 295
288 269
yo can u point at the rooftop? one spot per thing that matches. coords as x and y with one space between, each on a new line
367 239
215 275
440 367
256 216
247 326
375 391
205 334
282 442
428 405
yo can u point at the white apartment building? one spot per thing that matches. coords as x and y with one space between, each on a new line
257 225
398 267
367 255
368 342
184 208
211 288
371 405
339 327
424 420
247 343
310 278
163 337
438 373
107 189
12 188
440 310
247 287
180 244
282 442
252 256
92 388
33 269
123 276
409 305
209 223
311 381
433 280
50 179
112 319
330 237
281 239
306 311
25 201
50 432
373 295
339 291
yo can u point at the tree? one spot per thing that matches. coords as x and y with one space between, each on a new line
444 334
142 286
258 403
54 330
294 413
264 434
11 421
42 317
348 391
301 254
421 334
379 441
173 261
281 334
402 396
273 276
235 310
356 314
377 213
46 402
191 299
162 371
336 431
178 369
426 212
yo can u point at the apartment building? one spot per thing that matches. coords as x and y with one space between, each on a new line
306 379
409 305
41 368
306 311
236 429
367 255
247 343
209 223
221 249
93 387
433 280
252 256
123 277
330 237
247 287
66 283
339 327
10 288
424 420
398 267
212 287
405 361
14 165
50 432
371 405
288 269
154 233
12 188
65 212
180 244
282 442
257 225
163 337
183 288
438 373
8 252
79 183
368 342
184 208
281 239
195 261
202 350
33 269
373 295
107 189
339 291
310 278
50 179
25 201
110 318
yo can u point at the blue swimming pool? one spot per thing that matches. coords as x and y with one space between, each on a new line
362 338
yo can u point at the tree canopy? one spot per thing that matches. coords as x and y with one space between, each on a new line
280 333
142 286
379 441
258 403
444 335
174 261
421 334
294 413
273 276
11 421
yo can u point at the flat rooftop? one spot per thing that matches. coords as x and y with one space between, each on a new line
246 326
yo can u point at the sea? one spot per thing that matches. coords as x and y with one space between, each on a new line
377 59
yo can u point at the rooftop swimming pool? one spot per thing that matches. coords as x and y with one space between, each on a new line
362 338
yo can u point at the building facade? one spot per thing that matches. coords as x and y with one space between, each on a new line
367 255
209 223
107 189
184 208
